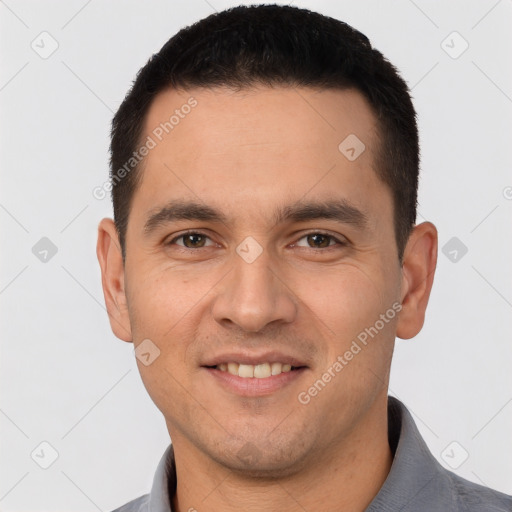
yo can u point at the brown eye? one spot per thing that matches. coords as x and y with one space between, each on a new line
190 240
193 240
319 241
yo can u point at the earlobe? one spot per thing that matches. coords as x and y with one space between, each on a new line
419 264
110 259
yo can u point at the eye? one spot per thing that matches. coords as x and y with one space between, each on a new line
319 240
314 240
191 240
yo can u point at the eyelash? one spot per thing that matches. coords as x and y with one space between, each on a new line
339 243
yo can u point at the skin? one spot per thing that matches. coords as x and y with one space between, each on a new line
247 153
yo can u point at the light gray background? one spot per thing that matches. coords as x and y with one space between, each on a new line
66 380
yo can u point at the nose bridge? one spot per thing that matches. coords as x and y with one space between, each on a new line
252 295
255 280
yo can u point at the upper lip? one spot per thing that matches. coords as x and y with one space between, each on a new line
254 358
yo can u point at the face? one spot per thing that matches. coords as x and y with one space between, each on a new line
255 244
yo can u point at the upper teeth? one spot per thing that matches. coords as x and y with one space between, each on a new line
260 371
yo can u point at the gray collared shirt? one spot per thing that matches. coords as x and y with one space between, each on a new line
415 483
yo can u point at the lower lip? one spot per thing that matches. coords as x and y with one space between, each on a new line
251 386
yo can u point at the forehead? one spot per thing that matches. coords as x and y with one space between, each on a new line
252 148
303 117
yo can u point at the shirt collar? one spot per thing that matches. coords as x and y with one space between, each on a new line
413 467
412 470
164 484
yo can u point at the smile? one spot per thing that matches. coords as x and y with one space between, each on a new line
257 371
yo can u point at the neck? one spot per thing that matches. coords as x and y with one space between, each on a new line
348 477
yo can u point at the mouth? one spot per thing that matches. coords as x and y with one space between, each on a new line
254 380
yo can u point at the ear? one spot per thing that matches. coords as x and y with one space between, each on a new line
419 265
110 258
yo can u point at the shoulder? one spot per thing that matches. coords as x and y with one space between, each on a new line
139 504
471 497
417 480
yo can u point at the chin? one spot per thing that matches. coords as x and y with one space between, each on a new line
263 460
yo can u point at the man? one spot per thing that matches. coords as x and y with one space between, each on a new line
263 258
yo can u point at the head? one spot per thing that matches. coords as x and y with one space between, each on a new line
291 159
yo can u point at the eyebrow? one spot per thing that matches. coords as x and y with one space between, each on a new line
339 210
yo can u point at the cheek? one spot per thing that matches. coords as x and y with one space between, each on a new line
357 307
346 300
162 300
163 307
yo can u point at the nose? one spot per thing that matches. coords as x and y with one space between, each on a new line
254 295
